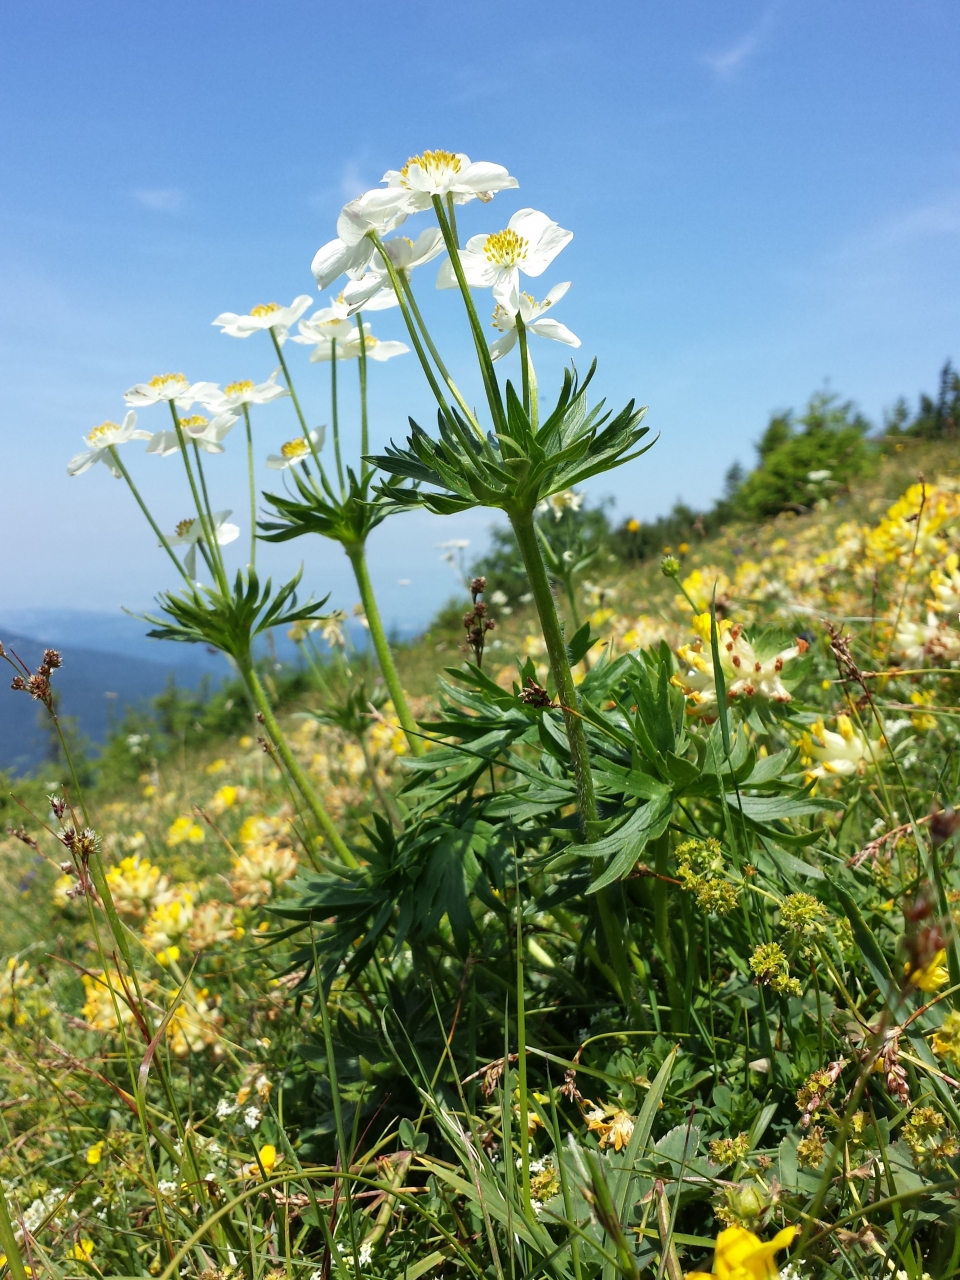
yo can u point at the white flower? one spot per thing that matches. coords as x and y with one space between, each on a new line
558 503
530 313
268 315
374 292
166 387
841 754
225 1108
529 243
353 249
251 1117
365 1254
237 394
101 439
167 1187
297 450
498 598
332 631
207 434
189 532
441 173
326 328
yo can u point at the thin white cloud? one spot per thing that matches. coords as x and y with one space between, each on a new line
726 63
161 199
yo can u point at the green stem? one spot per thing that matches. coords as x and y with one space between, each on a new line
336 415
143 507
293 396
661 917
357 555
201 515
408 320
215 551
302 782
438 359
524 363
522 1061
253 490
526 534
8 1242
364 431
483 354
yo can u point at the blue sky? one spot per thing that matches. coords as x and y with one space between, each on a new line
764 196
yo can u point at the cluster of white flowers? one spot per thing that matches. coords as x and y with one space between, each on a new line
491 260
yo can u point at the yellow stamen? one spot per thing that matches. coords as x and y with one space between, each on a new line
436 164
295 449
195 422
265 309
184 527
104 429
238 388
162 379
505 248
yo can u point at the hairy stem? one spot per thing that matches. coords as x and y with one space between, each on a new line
523 527
357 555
292 765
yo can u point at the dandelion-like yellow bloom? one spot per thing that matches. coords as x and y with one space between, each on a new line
741 1255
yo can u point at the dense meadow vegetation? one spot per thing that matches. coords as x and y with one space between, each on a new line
609 930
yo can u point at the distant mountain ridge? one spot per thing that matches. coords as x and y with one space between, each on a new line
94 685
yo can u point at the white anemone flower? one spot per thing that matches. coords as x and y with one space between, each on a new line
101 440
166 387
237 394
206 433
531 313
442 173
353 249
529 243
374 291
298 450
326 328
189 532
268 315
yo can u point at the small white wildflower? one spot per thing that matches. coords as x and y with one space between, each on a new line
498 598
366 1253
890 727
225 1108
251 1117
167 1187
537 1207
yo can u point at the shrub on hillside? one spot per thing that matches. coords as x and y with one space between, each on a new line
804 460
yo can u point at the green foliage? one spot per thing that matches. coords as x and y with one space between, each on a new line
806 460
935 419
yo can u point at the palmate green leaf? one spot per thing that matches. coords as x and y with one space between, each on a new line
518 467
349 519
229 623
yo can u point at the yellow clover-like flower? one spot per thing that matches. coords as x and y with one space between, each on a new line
741 1255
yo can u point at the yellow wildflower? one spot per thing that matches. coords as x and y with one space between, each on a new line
95 1153
614 1132
184 830
82 1250
170 919
195 1025
134 883
259 872
216 766
929 976
741 1255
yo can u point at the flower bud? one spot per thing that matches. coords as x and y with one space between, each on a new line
670 567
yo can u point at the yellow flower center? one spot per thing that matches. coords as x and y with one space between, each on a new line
195 422
104 429
184 527
239 388
162 379
265 309
436 164
505 248
295 449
